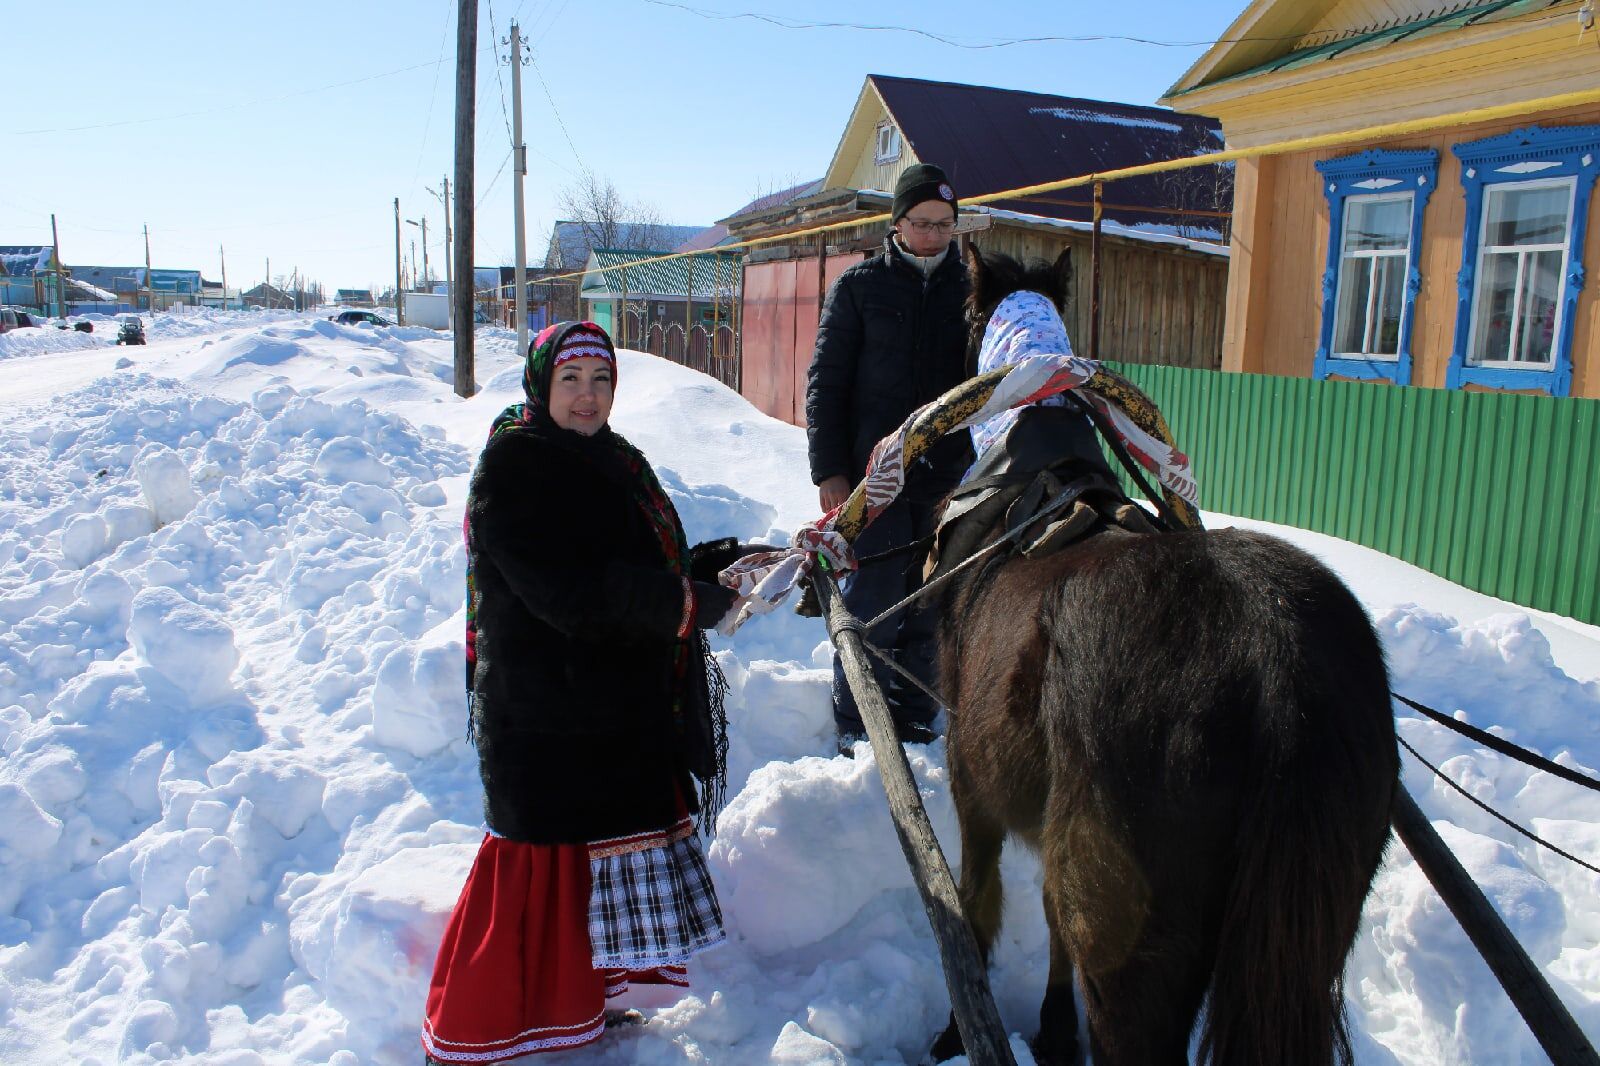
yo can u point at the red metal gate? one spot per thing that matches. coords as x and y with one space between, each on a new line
782 300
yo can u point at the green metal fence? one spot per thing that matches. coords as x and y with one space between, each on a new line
1495 492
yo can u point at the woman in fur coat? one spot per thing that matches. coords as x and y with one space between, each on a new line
596 711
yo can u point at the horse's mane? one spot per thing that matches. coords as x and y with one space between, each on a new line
995 276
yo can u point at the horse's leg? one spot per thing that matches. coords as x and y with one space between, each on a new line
981 899
1057 1042
1144 941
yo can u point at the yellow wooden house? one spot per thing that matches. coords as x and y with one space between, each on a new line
1452 258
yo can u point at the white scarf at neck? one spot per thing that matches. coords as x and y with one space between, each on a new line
927 264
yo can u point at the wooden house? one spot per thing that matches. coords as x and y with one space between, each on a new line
1163 257
1451 258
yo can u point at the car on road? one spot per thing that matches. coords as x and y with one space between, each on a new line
130 330
359 318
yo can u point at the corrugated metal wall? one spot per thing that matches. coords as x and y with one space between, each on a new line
1495 492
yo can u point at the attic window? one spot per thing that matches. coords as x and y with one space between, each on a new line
888 143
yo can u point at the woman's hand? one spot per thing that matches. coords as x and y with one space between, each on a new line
712 557
712 602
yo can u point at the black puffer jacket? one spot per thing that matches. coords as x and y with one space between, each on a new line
576 626
886 345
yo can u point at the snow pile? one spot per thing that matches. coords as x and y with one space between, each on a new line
203 321
20 343
236 801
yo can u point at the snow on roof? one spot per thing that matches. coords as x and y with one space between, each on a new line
25 260
1149 232
1077 114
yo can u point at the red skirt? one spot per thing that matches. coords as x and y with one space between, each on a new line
515 973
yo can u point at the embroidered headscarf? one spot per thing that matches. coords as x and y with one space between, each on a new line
699 719
559 344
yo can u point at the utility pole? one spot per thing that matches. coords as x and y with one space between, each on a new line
427 286
399 282
223 255
61 280
149 285
466 98
519 171
266 290
449 253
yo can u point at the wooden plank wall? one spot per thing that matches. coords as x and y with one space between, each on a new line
1159 305
1162 307
1291 231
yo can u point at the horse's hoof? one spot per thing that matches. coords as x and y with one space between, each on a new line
948 1046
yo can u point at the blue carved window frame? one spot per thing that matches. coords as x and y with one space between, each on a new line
1376 171
1534 153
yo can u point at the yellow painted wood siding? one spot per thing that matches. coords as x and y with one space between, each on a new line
868 173
1495 64
1280 250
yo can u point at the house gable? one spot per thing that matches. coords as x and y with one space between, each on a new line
1449 60
1264 30
856 163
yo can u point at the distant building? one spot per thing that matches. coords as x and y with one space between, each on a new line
27 276
571 243
354 298
268 296
137 289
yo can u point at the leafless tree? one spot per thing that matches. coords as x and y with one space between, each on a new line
1207 188
609 220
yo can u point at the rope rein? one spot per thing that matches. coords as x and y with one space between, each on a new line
1520 754
1061 500
1490 810
1504 747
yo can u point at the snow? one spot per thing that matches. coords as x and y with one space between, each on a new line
1149 232
237 805
1076 114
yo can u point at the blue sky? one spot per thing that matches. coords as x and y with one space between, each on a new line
286 131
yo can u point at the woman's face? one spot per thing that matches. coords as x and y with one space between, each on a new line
580 395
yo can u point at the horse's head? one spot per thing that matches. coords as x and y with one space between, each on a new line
995 276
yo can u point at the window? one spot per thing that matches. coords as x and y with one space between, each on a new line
1520 263
1369 289
1377 244
888 143
1527 197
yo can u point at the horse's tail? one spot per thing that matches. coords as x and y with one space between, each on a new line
1311 839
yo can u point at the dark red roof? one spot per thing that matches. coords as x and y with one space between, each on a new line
990 139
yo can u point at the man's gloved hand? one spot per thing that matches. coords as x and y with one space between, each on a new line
711 603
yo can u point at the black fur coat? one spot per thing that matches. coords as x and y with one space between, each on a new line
577 616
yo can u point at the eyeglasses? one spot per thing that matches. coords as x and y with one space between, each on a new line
931 227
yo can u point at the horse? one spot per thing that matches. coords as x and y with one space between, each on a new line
1193 731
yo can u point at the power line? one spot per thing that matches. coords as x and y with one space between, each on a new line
229 107
494 179
555 110
978 43
433 94
551 24
495 40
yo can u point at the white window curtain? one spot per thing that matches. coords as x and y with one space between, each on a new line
1521 261
1376 245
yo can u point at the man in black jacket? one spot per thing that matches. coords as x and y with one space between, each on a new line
892 338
